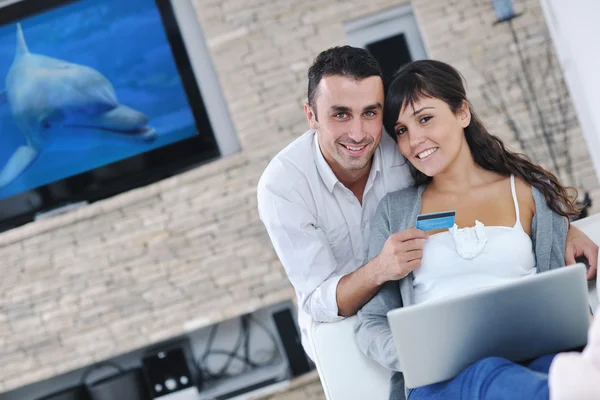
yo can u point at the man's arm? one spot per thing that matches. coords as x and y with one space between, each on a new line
302 248
579 244
323 291
356 289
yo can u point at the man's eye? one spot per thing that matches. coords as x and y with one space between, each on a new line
341 115
370 113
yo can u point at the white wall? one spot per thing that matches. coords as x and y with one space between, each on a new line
575 28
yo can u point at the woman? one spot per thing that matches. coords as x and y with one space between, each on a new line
502 201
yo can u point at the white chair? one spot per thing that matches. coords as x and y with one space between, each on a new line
347 374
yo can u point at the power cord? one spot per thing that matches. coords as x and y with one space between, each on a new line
231 355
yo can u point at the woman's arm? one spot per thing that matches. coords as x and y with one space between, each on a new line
560 229
372 331
549 234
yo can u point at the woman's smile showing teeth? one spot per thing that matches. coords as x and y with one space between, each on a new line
427 153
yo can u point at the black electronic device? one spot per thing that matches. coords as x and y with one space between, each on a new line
290 339
170 369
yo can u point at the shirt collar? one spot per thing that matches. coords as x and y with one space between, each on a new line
375 167
329 177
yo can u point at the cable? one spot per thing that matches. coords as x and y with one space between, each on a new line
242 340
231 355
245 326
271 336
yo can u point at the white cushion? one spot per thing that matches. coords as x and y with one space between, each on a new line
345 372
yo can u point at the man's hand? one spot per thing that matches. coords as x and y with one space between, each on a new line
578 244
401 254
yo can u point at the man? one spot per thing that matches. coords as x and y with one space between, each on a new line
317 196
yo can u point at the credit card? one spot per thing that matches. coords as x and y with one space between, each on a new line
434 221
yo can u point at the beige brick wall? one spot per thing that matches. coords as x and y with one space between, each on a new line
463 33
148 264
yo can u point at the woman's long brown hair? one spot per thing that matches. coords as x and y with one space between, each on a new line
435 79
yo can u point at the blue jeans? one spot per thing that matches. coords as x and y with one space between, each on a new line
492 378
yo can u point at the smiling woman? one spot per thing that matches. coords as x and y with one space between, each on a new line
433 126
501 201
427 113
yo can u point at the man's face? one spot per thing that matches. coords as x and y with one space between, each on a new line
348 120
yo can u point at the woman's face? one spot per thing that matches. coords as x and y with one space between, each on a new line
430 135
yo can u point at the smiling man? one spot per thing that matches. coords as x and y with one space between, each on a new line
317 196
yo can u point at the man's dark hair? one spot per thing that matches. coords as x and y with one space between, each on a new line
348 61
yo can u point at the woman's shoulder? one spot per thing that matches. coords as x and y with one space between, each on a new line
545 216
526 194
396 209
404 198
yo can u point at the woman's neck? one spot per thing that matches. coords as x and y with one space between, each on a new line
462 175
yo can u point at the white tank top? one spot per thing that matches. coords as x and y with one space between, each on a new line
462 260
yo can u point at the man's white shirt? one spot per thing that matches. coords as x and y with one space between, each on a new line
317 226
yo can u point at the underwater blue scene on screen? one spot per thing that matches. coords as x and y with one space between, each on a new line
85 85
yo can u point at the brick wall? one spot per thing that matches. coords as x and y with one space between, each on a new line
464 34
190 250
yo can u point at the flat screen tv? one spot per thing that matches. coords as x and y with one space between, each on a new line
97 97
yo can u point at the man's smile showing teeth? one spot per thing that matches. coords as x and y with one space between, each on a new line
354 149
426 153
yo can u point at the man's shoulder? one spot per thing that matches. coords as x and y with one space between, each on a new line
394 167
291 165
390 154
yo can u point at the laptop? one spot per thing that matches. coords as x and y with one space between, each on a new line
536 315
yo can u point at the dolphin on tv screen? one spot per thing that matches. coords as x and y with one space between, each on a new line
46 94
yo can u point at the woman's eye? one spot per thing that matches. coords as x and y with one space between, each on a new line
400 131
425 119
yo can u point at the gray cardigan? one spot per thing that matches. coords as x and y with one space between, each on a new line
398 211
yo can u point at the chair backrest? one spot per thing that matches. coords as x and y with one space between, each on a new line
347 374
